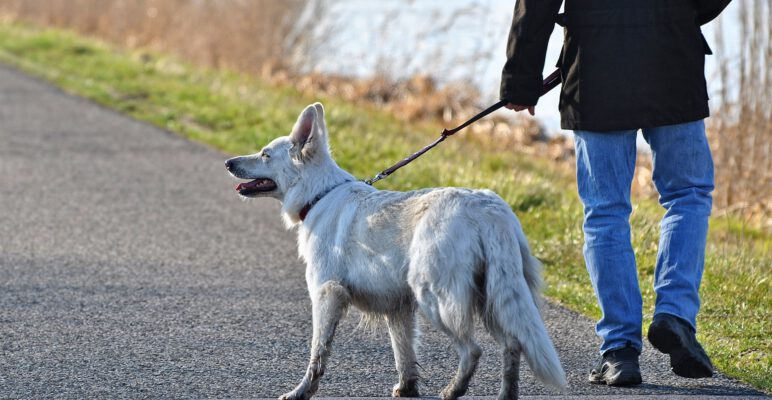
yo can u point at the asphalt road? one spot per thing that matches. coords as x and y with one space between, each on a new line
130 269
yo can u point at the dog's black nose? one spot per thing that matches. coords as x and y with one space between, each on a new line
228 164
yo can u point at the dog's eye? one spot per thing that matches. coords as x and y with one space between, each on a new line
265 156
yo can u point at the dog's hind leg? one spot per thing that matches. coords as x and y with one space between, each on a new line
402 332
468 352
441 275
456 320
510 368
328 308
510 363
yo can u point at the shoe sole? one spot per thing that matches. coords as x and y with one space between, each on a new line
684 363
620 379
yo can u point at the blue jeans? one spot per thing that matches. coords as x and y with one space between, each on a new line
683 175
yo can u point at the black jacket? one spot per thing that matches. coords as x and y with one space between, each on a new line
625 64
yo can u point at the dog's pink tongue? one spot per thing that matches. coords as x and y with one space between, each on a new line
246 185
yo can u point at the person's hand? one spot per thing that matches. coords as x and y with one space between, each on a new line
517 107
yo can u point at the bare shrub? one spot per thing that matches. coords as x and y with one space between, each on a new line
741 130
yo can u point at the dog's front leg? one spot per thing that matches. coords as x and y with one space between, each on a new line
328 308
402 332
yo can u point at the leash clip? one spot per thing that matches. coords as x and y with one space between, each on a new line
374 179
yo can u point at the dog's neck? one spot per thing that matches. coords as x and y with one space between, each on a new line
309 187
307 208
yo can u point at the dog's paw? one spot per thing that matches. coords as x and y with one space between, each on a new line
407 390
295 395
451 392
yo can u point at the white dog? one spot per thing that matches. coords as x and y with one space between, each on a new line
452 253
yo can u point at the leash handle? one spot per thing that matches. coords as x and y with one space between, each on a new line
548 84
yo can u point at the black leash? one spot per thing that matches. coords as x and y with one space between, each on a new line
548 84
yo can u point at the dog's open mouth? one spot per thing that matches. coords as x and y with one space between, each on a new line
259 185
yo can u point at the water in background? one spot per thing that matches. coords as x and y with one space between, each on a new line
449 40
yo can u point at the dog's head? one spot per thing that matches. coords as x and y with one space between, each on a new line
280 166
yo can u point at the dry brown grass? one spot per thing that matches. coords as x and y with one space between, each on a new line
238 34
741 130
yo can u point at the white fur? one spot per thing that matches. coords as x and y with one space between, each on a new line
452 253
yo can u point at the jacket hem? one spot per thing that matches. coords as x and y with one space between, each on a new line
612 125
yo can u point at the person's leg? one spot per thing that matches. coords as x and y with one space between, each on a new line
605 163
683 175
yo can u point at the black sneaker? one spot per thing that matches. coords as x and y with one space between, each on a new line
674 336
617 368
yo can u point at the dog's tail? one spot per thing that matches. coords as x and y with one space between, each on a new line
513 298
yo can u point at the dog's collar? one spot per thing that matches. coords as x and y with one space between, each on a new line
307 208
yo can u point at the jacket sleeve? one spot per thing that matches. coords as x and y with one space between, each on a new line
707 10
532 25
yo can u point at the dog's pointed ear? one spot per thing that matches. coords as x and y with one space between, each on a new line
319 114
309 135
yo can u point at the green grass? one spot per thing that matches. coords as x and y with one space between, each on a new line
238 114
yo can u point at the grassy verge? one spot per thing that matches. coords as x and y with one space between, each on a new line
238 114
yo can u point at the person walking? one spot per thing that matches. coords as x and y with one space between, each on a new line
629 65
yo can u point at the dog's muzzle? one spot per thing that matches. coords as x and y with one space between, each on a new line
253 187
